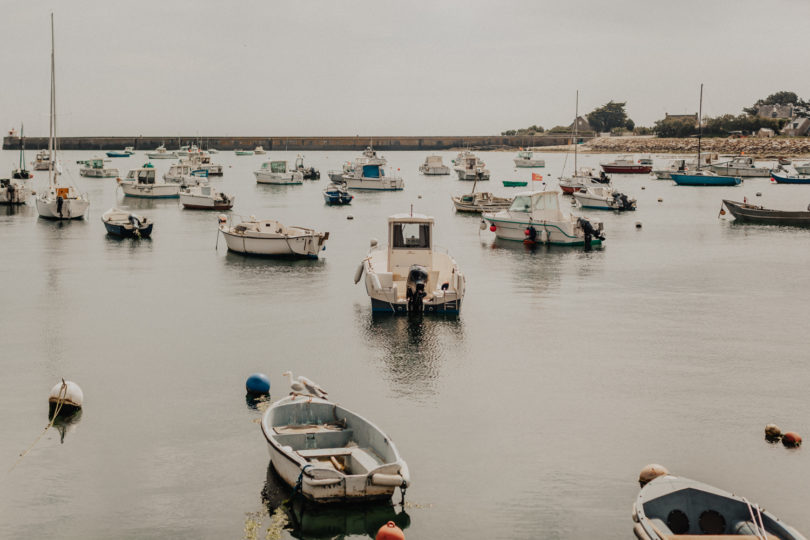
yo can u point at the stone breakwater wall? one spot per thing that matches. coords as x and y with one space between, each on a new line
755 147
393 143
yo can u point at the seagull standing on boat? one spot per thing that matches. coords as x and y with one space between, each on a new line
305 386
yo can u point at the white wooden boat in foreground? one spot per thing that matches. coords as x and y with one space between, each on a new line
331 454
272 239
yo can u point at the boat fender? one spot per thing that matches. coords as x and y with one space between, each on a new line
375 282
791 439
483 225
772 433
390 531
544 236
380 479
359 272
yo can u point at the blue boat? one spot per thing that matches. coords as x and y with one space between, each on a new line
705 178
337 194
126 225
799 179
126 152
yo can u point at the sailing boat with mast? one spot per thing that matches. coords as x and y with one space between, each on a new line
482 201
58 201
22 173
580 178
703 177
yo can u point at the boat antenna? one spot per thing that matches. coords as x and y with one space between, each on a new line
22 146
52 126
576 122
700 123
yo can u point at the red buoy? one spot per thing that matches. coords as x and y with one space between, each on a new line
526 232
791 439
390 531
493 228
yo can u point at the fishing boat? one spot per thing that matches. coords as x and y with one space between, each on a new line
310 173
525 159
469 167
536 216
742 166
337 194
330 454
243 152
205 198
433 166
42 161
604 198
185 174
259 150
803 168
125 224
410 274
583 176
625 165
646 160
13 191
201 161
368 173
749 213
161 153
58 201
126 152
515 183
21 173
671 507
141 183
272 239
480 201
790 179
94 168
678 166
784 161
703 177
276 172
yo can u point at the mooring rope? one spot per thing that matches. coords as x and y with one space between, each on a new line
62 397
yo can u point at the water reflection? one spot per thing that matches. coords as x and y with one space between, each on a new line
136 203
258 265
411 348
67 423
308 521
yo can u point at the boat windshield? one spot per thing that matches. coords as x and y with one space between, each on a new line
146 176
522 203
278 166
525 155
411 235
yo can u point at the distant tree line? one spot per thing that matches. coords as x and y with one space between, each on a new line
779 98
720 126
531 130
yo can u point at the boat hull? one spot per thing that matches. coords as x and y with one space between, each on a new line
128 232
99 173
337 200
627 169
790 179
151 191
195 202
73 208
118 154
747 213
277 179
306 246
557 233
745 172
464 174
161 155
513 183
16 195
375 184
529 163
435 171
699 180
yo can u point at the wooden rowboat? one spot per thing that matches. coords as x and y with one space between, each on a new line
750 213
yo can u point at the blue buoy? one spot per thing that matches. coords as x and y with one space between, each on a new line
258 383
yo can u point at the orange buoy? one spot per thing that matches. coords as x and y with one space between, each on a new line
390 531
791 439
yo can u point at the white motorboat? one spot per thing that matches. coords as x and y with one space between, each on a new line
58 201
330 453
469 167
259 150
42 161
584 176
410 274
368 173
205 198
526 159
271 238
94 168
185 174
14 191
604 198
276 172
202 161
141 183
480 201
677 166
803 168
309 173
122 223
161 153
187 150
535 216
742 166
433 166
336 177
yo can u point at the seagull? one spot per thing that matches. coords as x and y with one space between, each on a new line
297 387
305 386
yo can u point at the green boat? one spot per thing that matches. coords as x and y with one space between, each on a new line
514 183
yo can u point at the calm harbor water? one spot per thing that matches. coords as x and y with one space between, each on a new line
529 416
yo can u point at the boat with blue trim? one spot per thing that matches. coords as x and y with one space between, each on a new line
368 173
705 178
125 224
126 152
790 179
337 194
411 274
535 216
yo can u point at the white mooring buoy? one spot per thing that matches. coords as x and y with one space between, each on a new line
65 398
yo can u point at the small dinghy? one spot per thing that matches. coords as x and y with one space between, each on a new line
125 224
272 239
480 201
330 454
337 194
790 178
205 198
749 213
669 508
604 198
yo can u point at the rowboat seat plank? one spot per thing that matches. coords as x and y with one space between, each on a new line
308 428
324 452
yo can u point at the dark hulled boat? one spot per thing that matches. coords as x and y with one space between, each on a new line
750 213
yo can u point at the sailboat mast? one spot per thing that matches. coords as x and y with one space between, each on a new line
52 133
22 146
576 118
700 123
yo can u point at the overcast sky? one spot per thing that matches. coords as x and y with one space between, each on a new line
301 67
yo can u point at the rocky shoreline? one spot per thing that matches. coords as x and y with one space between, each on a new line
750 146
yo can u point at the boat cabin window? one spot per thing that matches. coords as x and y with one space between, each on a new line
412 235
522 203
146 176
545 203
278 166
372 171
206 190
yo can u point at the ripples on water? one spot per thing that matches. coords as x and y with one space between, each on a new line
527 416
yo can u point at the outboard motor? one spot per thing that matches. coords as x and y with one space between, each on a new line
415 287
59 202
603 178
590 232
622 202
